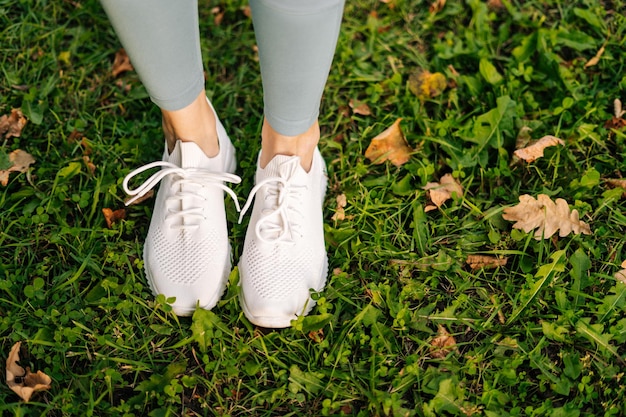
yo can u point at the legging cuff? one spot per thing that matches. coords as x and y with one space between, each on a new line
185 98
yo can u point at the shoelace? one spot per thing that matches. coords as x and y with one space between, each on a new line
277 220
196 176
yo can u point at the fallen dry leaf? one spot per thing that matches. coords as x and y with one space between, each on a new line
442 191
317 335
389 145
113 216
90 165
617 108
20 162
11 124
495 4
436 6
534 151
247 11
218 15
523 137
425 84
616 122
617 183
594 61
485 262
22 381
443 344
121 63
621 275
131 201
358 107
546 216
340 214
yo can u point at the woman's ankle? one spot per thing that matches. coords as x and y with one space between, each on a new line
194 123
302 145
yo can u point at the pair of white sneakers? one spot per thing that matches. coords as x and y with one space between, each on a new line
187 254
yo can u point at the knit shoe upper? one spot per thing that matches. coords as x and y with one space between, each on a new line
187 254
284 255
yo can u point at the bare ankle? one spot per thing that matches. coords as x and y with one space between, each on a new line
194 123
302 145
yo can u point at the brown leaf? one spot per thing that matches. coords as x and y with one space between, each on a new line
495 4
615 123
594 61
436 6
141 199
425 84
113 216
546 216
20 162
617 183
442 191
317 335
389 145
218 15
485 262
247 11
11 125
534 151
340 214
90 165
22 381
443 344
121 63
358 107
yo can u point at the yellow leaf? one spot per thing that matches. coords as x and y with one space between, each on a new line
442 191
20 161
390 145
340 214
437 6
425 84
594 61
486 262
22 381
534 151
545 217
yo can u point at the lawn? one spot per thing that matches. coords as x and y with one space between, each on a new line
406 326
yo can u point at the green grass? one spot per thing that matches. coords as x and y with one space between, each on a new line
541 336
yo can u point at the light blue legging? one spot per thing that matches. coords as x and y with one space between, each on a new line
296 41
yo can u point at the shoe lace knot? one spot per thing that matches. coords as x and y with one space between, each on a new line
281 219
187 182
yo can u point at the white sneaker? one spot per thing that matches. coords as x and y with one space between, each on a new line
284 255
187 254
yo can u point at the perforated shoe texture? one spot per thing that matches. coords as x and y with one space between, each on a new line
284 257
187 253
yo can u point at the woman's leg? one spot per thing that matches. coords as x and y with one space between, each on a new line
162 39
186 252
296 41
284 255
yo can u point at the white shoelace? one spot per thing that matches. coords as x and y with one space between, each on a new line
197 176
278 222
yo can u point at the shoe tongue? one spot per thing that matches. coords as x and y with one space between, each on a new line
189 155
283 166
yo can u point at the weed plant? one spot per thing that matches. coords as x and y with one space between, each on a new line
540 336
